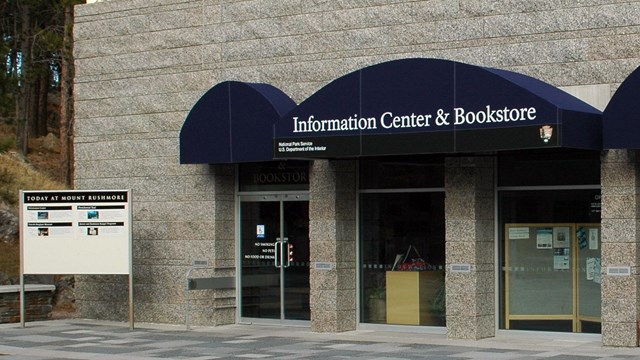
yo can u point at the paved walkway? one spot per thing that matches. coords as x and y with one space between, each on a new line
83 339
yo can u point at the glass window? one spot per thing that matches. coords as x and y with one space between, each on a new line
551 248
542 206
550 241
402 172
403 257
274 176
548 168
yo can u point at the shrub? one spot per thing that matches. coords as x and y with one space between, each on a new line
7 143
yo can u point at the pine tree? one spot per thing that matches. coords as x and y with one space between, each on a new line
36 48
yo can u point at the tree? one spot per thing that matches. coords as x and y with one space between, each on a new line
9 77
36 47
67 74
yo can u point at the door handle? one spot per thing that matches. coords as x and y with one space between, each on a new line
276 252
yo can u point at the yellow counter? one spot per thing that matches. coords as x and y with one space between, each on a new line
411 295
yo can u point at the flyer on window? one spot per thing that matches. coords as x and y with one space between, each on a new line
561 259
544 238
561 237
594 237
518 233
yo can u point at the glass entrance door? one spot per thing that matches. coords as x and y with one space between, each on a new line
274 243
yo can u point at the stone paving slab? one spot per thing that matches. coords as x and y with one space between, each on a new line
95 340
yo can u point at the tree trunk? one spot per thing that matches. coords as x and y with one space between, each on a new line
43 98
33 106
22 112
66 97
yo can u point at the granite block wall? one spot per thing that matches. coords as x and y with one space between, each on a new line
142 64
469 240
620 247
332 239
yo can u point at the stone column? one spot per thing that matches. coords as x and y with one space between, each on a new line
224 250
332 234
620 178
470 219
212 239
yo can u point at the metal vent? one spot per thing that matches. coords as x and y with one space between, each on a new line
462 268
619 270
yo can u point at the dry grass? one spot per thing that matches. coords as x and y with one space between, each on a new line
16 175
10 258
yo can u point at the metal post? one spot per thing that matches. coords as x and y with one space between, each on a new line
195 264
22 301
131 313
22 230
130 212
186 315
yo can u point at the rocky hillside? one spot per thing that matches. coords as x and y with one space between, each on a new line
38 171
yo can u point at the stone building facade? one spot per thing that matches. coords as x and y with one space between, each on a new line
142 65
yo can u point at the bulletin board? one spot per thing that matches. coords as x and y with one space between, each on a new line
552 272
533 264
76 232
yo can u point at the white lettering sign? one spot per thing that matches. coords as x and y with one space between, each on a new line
389 120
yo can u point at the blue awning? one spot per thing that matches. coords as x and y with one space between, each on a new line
621 118
233 123
409 106
418 106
